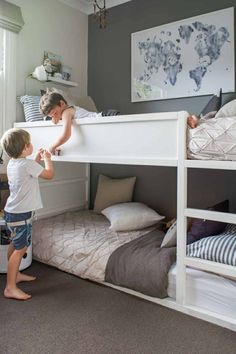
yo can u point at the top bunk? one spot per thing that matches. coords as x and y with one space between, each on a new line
141 139
161 139
158 139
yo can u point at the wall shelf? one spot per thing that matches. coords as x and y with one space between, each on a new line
62 82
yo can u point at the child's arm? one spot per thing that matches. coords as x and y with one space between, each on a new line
48 171
67 117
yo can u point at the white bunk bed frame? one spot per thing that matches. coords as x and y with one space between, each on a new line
157 139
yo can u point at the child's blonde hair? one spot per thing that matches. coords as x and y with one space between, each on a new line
50 100
14 141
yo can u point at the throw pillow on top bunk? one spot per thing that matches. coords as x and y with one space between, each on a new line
228 110
31 108
213 105
131 216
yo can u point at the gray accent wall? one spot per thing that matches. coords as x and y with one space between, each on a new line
109 52
109 80
157 186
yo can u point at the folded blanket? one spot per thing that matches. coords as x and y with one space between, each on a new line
142 265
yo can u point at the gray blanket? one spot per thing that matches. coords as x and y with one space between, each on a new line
142 265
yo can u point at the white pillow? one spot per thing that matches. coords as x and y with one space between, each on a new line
170 237
228 110
131 216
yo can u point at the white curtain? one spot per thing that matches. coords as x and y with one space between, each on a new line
7 84
11 22
7 79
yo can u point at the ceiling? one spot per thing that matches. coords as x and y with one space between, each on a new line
86 6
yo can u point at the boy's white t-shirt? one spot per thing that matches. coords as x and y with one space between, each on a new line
83 113
24 186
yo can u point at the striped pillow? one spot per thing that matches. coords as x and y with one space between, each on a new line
220 248
31 108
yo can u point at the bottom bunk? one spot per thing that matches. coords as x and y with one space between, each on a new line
83 244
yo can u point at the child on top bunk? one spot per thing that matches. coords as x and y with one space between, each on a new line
54 105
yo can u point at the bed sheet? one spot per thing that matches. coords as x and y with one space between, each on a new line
207 290
79 242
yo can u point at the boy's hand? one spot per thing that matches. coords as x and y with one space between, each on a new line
46 155
38 155
55 120
54 151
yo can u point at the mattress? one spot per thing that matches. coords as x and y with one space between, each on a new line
213 139
79 242
208 291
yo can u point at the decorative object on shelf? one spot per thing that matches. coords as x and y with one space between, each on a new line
184 58
40 73
57 76
52 62
48 66
66 72
100 12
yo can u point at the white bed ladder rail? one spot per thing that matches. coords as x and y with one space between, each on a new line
210 215
198 263
210 266
181 206
183 213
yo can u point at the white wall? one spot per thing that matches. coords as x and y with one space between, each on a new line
52 26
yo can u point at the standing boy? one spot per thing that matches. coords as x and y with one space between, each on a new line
24 198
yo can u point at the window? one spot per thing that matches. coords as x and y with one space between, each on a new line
1 78
7 79
11 22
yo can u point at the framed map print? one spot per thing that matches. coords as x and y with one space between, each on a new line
185 58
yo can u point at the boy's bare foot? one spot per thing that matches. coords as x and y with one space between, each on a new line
16 294
24 277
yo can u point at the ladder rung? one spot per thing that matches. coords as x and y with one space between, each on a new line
210 215
215 267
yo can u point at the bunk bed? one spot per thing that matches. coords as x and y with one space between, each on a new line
157 139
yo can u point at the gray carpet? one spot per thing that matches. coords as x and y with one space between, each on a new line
70 315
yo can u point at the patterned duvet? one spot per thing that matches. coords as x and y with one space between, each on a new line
78 242
213 139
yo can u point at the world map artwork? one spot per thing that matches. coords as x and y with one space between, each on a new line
184 58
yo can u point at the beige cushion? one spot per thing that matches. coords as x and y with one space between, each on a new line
131 216
86 103
228 110
112 191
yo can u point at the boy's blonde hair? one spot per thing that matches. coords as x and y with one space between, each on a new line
14 141
50 100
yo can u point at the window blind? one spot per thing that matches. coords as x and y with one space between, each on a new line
10 17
